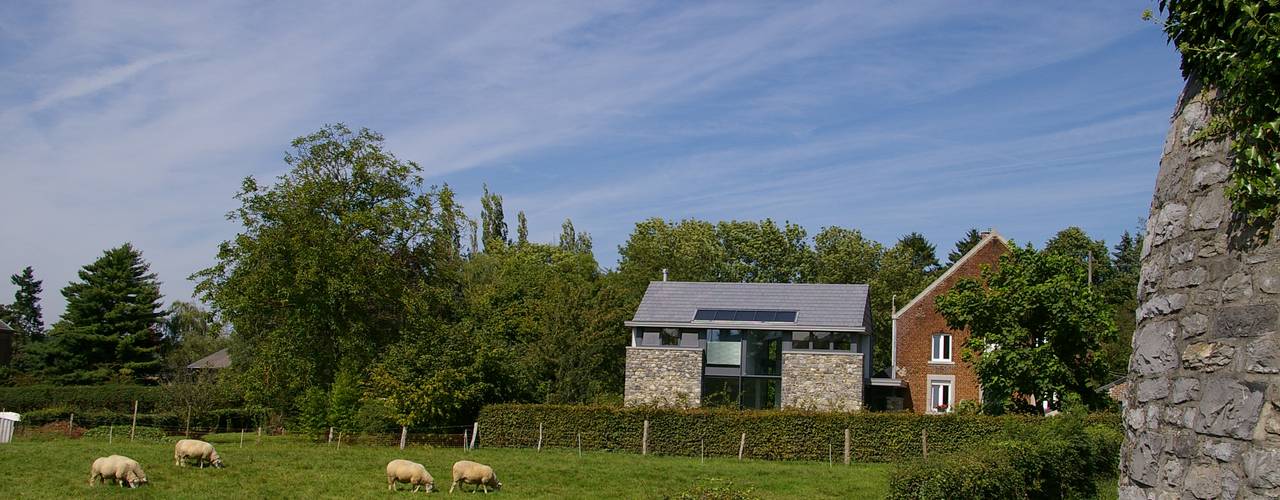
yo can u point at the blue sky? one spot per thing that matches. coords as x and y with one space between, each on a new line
135 122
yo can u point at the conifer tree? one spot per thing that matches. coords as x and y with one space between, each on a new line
110 330
25 315
963 246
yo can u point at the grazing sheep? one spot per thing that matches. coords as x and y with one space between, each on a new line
414 473
468 472
199 450
123 470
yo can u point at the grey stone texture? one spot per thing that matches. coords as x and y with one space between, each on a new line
822 381
663 376
1202 404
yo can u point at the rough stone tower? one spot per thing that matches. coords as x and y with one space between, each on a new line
1202 410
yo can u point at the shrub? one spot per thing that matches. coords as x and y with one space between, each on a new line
140 433
715 489
773 435
1045 464
117 398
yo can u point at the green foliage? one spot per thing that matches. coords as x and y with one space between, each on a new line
140 433
110 330
771 435
1234 48
313 410
190 333
963 246
715 489
102 397
24 315
492 222
1034 325
344 400
317 278
1061 459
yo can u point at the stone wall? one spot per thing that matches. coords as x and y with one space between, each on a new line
1201 409
663 376
829 381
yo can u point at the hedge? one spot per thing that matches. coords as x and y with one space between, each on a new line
1045 464
99 397
771 435
229 418
122 433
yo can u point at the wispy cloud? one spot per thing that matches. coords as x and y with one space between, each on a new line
133 122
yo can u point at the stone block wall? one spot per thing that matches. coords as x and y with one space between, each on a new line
1202 407
830 381
663 376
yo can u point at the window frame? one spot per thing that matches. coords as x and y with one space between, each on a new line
948 384
939 340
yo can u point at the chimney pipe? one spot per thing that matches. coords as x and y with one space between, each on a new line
664 274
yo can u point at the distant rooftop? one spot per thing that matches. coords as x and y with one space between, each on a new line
837 307
220 359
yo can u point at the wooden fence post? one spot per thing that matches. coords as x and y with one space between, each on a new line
331 435
830 450
539 436
339 440
644 439
259 440
579 445
404 433
742 446
846 446
465 435
110 429
702 450
187 432
134 425
71 423
242 437
924 442
475 431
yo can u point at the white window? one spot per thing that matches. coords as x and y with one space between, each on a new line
941 348
940 393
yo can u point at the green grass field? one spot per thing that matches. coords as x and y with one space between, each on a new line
286 468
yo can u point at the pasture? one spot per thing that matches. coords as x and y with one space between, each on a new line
285 467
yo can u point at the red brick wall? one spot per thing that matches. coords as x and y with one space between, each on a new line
916 327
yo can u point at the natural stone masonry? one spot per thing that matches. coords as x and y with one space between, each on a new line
822 381
1202 408
663 376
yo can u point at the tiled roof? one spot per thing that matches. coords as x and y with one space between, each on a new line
220 359
816 305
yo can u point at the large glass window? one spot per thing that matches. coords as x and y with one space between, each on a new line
764 353
721 391
822 341
940 395
724 347
761 392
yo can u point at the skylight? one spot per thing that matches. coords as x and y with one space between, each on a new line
745 315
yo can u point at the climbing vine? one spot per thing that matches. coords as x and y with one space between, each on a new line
1233 46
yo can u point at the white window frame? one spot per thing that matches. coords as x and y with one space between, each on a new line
949 383
938 341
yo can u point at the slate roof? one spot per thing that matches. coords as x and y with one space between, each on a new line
841 307
220 359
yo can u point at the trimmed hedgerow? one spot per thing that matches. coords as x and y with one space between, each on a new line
141 433
118 398
229 418
1057 461
771 435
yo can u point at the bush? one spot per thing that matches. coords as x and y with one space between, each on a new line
715 489
140 433
1048 463
118 398
772 435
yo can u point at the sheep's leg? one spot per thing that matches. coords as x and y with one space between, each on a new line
452 486
486 488
391 484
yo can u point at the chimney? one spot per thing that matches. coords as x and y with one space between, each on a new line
664 274
986 233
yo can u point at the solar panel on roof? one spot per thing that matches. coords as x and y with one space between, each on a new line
745 315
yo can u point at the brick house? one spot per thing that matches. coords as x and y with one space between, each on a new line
925 360
750 345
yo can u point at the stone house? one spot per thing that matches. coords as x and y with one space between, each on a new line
926 372
750 345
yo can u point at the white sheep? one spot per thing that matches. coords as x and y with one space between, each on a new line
468 472
123 470
414 473
199 450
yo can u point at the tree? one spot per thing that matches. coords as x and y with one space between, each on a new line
110 330
1073 242
522 229
905 270
1121 294
24 314
191 332
492 222
316 280
1035 328
573 241
923 254
963 246
845 256
762 252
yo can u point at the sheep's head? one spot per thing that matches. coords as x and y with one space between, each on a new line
136 478
216 460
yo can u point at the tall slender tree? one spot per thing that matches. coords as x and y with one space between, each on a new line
522 229
493 223
25 313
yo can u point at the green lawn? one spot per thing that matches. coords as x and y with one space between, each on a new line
281 468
